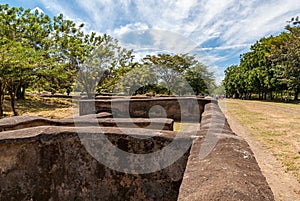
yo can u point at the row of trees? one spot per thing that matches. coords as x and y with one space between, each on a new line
271 67
54 54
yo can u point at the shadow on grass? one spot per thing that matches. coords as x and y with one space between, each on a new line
33 104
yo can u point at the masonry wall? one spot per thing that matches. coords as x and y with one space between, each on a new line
177 108
221 165
51 163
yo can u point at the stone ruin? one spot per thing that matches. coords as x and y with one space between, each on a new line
43 159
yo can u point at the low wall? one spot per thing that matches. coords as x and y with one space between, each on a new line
51 163
19 122
177 108
221 165
103 120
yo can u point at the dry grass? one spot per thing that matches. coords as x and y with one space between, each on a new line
182 127
275 125
53 108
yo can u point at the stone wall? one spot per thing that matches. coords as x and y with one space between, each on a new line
221 165
19 122
51 163
177 108
100 119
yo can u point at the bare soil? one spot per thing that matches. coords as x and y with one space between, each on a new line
285 186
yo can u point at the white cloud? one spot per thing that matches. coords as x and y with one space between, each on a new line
154 39
130 28
38 9
236 46
227 25
232 21
260 19
55 7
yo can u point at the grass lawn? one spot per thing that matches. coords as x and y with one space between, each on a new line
275 125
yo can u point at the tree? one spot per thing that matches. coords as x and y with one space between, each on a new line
70 47
169 68
18 63
36 49
271 65
287 57
139 80
25 27
231 81
199 78
103 64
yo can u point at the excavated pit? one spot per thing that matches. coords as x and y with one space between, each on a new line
44 159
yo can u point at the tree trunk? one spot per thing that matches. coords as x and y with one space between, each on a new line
1 99
296 94
21 92
1 109
12 93
1 105
12 103
169 90
271 95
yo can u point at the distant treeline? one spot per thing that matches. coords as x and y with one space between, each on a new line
270 69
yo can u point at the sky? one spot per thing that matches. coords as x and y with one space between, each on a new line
217 32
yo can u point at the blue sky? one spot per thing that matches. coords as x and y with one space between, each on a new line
216 31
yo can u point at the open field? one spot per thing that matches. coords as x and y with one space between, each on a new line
274 125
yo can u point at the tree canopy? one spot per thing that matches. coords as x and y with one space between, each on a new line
180 74
272 66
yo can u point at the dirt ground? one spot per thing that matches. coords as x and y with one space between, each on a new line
285 187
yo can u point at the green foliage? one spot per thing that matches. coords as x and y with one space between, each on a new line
200 79
168 68
180 74
271 65
104 66
35 49
47 54
139 80
219 90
